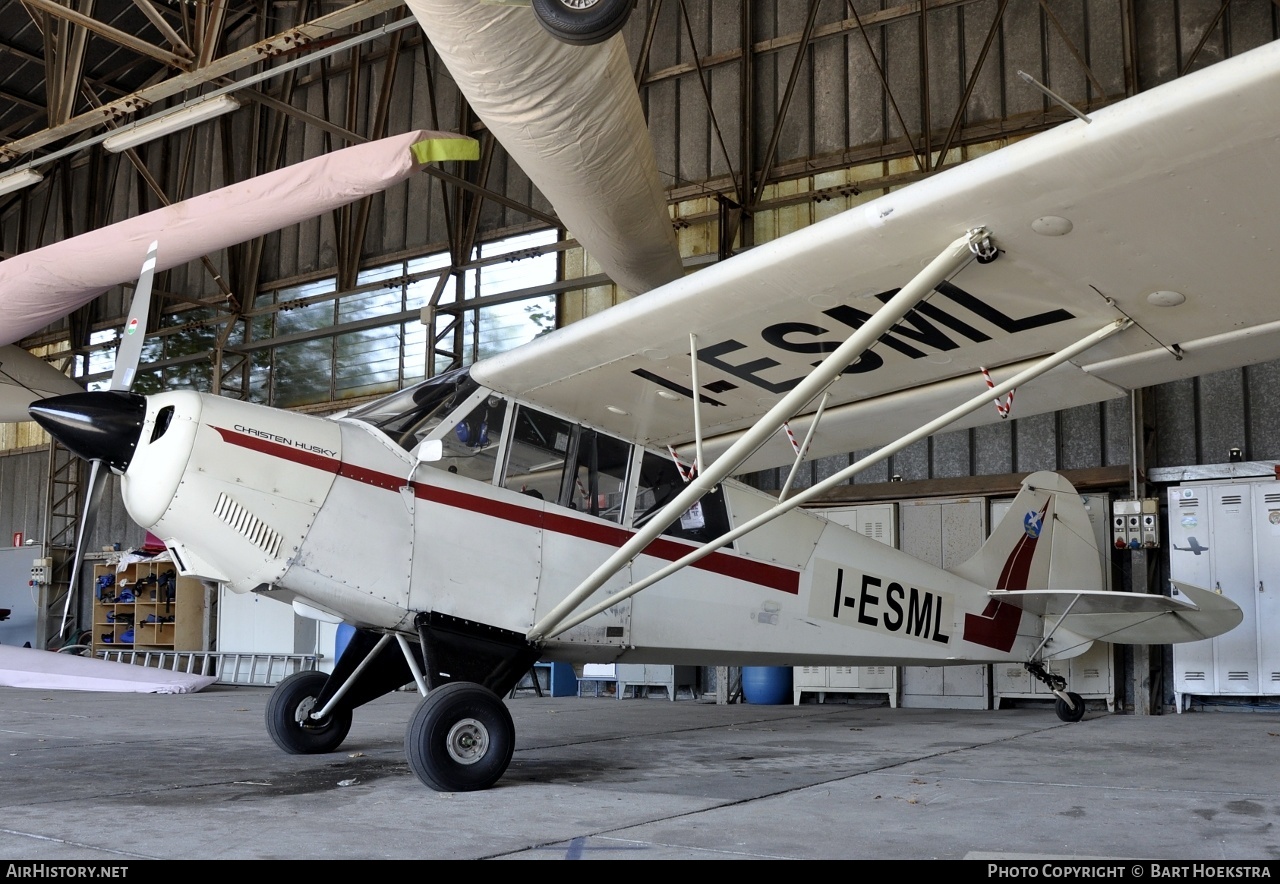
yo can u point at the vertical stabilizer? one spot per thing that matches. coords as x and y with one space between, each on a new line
1044 542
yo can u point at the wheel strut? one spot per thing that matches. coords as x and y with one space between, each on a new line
1069 705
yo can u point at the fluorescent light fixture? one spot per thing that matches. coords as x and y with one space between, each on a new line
168 123
18 180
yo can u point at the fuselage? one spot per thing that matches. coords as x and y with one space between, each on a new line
341 518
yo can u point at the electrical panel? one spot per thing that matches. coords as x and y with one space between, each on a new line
1135 524
41 572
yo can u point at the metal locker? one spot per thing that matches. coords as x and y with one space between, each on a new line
1226 537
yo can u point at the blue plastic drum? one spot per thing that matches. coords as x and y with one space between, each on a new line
340 641
766 685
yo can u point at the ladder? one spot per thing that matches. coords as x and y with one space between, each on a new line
229 667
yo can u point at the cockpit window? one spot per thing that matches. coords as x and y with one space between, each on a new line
660 483
600 475
472 444
539 449
408 416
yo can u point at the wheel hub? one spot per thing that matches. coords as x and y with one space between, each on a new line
468 741
302 715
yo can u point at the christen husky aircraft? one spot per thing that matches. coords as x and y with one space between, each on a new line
531 507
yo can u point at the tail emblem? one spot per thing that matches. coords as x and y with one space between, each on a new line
1031 524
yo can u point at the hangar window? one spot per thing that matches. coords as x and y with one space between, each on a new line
305 342
493 305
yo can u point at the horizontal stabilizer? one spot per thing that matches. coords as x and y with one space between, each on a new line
1129 618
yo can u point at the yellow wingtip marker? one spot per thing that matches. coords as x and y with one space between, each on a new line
438 150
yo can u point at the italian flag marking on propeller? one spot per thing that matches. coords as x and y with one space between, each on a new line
132 327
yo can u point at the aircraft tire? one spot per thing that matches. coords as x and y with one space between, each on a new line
288 709
1065 712
582 22
461 738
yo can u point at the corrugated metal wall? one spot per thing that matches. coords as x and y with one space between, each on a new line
23 478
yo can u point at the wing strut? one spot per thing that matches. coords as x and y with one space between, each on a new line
697 402
801 449
1035 655
955 256
973 404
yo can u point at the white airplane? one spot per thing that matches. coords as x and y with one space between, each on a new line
571 500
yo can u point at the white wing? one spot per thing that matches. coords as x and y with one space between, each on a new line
1171 191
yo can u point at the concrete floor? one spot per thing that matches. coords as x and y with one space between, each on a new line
117 777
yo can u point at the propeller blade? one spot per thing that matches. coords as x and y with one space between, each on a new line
103 428
135 328
88 518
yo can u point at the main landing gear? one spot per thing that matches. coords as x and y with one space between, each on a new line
1069 706
460 739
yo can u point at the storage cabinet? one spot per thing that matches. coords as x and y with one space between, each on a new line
638 675
879 522
823 680
1226 537
146 607
1091 675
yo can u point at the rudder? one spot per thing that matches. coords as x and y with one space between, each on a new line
1045 541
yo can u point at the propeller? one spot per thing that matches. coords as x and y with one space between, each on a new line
103 427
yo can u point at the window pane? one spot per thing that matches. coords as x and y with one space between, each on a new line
302 373
507 326
659 484
601 480
368 362
414 335
369 305
471 447
539 448
412 414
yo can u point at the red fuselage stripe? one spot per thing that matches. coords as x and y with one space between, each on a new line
728 565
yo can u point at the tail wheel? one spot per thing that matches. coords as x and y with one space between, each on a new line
460 739
289 720
582 22
1070 712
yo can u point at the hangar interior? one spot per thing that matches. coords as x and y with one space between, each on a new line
765 116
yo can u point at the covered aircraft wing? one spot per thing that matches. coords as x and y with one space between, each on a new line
1131 618
48 670
571 117
45 284
25 378
1161 209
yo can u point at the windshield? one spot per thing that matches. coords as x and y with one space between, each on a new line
408 416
